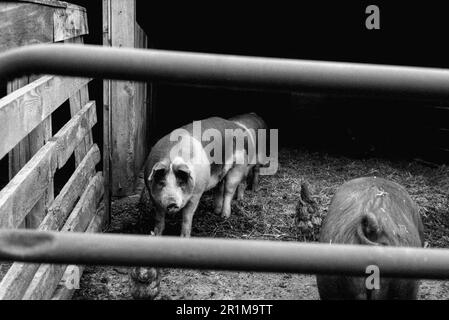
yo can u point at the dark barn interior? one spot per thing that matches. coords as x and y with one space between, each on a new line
356 126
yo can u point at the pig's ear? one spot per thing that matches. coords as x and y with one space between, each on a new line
184 172
157 168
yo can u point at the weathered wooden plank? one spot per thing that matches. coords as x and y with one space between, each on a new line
63 291
75 107
24 24
24 109
69 22
64 203
53 3
28 186
77 101
28 23
123 103
128 136
48 276
106 116
84 98
74 132
141 145
23 152
36 139
20 154
19 276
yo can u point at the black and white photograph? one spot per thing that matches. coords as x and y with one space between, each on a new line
222 157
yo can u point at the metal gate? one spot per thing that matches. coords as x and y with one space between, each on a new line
230 71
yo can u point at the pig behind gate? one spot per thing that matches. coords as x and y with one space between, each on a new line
371 211
177 173
236 178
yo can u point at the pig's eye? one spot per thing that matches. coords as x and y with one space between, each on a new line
159 177
182 176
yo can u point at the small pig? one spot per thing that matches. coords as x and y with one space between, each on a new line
371 211
236 178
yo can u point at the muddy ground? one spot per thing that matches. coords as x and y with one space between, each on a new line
270 214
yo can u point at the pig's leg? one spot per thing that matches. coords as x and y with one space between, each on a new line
159 222
219 197
241 190
255 178
233 179
187 216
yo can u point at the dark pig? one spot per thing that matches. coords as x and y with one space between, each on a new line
376 212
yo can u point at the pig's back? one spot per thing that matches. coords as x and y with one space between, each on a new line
250 121
390 204
161 149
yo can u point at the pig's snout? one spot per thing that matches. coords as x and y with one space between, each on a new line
172 207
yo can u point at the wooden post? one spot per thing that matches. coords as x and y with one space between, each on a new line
107 118
127 103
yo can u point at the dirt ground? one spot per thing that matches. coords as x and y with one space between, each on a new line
270 214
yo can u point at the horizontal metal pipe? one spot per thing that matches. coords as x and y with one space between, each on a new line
224 70
223 254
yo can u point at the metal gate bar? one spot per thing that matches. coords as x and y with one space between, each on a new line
225 254
224 70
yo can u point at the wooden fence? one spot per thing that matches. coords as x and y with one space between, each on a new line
36 155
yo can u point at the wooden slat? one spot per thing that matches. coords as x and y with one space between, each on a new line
19 276
69 23
78 100
64 203
75 107
64 292
84 98
48 276
128 110
28 186
123 17
24 109
24 24
20 154
23 152
141 144
36 139
52 3
106 117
